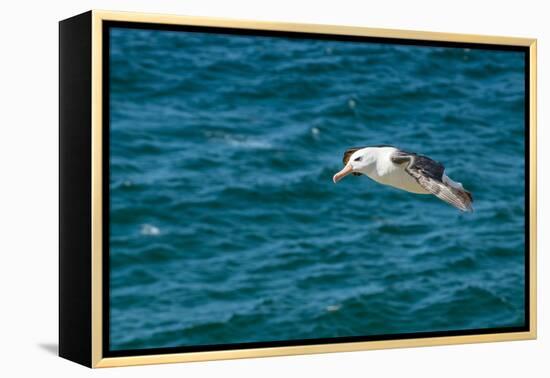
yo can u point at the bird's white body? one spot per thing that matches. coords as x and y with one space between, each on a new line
386 172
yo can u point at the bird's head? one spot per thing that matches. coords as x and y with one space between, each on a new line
357 160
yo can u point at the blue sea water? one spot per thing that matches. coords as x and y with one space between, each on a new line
225 226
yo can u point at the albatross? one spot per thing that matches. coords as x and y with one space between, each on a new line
404 170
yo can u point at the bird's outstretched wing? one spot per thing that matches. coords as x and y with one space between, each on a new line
430 175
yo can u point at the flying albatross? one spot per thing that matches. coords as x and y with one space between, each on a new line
404 170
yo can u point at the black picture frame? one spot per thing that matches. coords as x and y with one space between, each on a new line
78 314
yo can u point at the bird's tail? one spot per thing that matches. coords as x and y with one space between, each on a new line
456 195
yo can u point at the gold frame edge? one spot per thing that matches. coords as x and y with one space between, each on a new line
533 187
308 349
98 16
97 196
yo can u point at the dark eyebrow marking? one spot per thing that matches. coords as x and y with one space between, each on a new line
348 154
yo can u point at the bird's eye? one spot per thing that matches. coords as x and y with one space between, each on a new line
358 158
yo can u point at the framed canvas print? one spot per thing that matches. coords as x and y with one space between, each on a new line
234 189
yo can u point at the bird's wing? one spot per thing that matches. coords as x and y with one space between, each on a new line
429 174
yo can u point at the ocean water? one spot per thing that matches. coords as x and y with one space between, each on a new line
225 226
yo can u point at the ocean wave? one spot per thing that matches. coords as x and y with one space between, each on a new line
465 304
225 225
239 141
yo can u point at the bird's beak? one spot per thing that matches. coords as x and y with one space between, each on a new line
343 173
